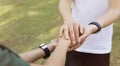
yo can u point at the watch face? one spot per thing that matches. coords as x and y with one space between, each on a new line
44 47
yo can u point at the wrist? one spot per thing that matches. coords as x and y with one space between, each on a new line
69 20
93 29
100 22
51 47
46 50
65 46
96 27
64 42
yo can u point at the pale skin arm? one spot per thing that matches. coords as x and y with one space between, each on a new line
111 15
65 9
36 54
105 20
58 57
70 28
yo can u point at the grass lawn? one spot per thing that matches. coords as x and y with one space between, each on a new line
24 24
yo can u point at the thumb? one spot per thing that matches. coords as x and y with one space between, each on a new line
83 37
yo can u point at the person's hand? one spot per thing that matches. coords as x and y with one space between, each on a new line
71 48
54 43
71 29
64 41
88 30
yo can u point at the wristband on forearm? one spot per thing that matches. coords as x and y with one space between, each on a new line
45 49
97 25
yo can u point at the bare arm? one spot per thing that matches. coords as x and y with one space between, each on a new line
111 15
33 55
65 9
70 29
59 55
105 20
36 54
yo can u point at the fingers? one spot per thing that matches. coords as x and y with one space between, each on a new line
66 35
61 31
79 44
83 37
62 40
70 49
82 41
54 42
74 47
64 31
85 32
81 29
76 30
72 34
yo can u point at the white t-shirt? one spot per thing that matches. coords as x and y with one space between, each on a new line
86 11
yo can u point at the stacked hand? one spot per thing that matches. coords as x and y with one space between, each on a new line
77 33
72 30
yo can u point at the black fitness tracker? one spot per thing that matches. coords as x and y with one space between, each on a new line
45 49
96 24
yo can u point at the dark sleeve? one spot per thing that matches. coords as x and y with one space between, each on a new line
10 58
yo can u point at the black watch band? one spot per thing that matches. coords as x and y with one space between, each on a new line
46 50
97 25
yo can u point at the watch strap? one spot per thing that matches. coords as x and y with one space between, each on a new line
45 49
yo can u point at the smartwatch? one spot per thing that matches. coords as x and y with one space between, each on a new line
44 47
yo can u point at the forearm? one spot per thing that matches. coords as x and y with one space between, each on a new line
34 55
108 18
105 20
65 9
59 56
111 15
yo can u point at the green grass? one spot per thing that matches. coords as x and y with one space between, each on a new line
24 24
115 55
28 22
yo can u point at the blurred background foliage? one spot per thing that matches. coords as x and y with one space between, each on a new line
24 24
